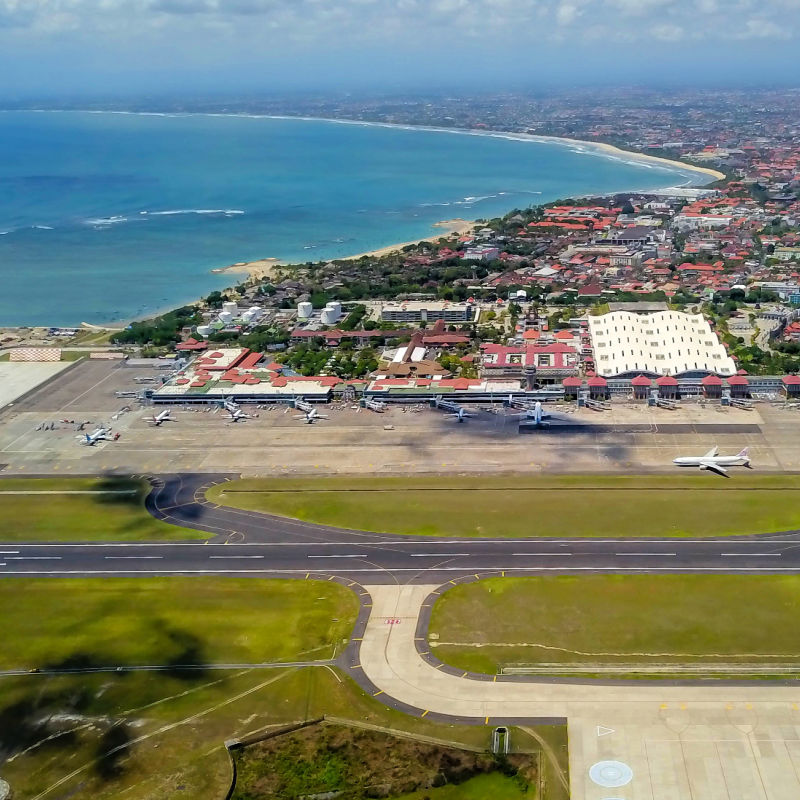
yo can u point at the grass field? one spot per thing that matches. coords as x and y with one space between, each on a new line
139 621
619 620
680 505
116 515
171 726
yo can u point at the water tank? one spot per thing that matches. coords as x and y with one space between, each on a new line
225 317
336 306
204 330
256 310
247 317
304 310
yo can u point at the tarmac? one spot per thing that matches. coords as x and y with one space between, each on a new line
638 742
402 440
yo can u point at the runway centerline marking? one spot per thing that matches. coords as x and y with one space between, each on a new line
436 555
34 558
542 554
645 554
344 555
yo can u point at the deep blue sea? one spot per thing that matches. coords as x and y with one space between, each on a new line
107 216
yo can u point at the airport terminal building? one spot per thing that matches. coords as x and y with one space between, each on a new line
663 343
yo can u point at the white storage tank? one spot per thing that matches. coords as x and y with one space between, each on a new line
256 311
336 306
225 317
229 307
204 330
329 316
247 318
304 310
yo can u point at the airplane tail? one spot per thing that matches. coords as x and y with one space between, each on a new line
745 454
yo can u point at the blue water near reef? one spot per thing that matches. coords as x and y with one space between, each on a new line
107 216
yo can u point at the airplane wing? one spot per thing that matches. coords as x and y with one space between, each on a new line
712 453
711 466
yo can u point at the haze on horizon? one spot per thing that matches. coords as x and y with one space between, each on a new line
121 47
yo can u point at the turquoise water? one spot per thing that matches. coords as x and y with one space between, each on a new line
107 217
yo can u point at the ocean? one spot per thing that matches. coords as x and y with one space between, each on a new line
106 217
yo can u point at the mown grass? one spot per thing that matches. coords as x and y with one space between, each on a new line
118 515
176 727
676 618
680 505
197 620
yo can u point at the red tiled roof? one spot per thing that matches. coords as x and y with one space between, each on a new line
791 380
738 380
711 380
571 381
667 380
641 380
597 381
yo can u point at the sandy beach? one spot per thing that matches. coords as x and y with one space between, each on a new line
265 267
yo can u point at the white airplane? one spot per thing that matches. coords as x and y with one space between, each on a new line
91 439
714 462
157 420
237 415
535 415
375 405
454 410
300 405
311 416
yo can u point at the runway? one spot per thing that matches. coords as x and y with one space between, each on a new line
247 543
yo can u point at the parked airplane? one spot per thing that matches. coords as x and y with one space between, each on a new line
91 439
300 405
536 416
375 405
311 416
237 415
157 420
714 462
454 410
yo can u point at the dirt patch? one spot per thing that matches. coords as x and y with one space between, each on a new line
358 764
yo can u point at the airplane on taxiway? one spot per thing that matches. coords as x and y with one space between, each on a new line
714 462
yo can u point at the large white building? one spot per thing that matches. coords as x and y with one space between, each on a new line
664 343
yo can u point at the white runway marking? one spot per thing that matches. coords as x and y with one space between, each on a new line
236 556
645 554
436 555
34 558
542 554
344 555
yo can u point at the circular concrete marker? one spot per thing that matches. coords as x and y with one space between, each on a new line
610 774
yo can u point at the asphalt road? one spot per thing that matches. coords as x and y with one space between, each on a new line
251 544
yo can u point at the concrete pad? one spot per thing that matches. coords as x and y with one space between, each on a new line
715 741
20 377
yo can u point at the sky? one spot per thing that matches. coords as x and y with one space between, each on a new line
52 47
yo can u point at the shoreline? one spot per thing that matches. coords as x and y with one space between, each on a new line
600 147
260 269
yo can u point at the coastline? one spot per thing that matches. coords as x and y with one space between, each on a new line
265 267
609 150
602 147
260 269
